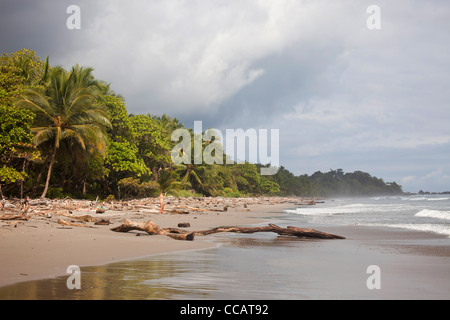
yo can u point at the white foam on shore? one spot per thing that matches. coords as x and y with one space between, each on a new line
425 199
426 213
434 228
346 209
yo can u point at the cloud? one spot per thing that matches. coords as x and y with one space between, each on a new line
195 55
182 55
343 96
436 180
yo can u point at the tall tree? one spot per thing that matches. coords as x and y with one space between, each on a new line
153 147
19 71
67 110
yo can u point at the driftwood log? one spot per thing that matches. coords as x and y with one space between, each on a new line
151 228
21 217
73 224
179 234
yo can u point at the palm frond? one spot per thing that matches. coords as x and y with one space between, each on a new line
71 134
43 135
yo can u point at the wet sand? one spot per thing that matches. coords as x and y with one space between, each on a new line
414 265
42 248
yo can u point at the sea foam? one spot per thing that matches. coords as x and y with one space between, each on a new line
427 213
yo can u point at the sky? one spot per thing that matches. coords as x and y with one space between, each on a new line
342 93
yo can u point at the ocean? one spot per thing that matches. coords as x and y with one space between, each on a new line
429 213
265 266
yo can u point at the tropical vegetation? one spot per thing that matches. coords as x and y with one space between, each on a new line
64 133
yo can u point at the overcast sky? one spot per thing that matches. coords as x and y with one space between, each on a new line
343 95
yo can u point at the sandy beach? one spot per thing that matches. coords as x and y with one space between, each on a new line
415 265
42 248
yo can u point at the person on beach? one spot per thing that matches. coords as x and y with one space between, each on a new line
161 202
26 203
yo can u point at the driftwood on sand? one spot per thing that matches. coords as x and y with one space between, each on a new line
73 224
179 234
20 217
151 228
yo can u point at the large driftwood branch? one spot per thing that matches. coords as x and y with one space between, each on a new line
289 231
181 234
152 229
21 217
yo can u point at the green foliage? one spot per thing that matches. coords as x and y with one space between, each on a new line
57 193
19 72
67 110
269 187
121 129
131 187
169 182
11 175
150 139
335 183
123 160
185 194
232 193
110 198
75 127
247 177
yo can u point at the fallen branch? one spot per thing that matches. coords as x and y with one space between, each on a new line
72 224
180 234
289 231
102 222
151 229
14 217
192 208
85 218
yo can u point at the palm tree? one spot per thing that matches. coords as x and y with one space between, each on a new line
202 178
167 180
68 110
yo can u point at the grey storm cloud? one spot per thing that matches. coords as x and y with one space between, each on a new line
343 96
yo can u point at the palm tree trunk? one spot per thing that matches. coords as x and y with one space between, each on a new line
21 181
38 179
52 161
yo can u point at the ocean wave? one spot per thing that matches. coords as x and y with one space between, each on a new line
320 211
348 209
425 199
433 228
426 213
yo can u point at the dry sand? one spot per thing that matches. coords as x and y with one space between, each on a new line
42 248
415 265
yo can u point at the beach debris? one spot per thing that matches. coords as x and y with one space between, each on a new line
184 225
9 206
73 224
151 228
21 217
102 222
84 218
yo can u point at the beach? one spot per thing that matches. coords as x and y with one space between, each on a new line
413 264
42 248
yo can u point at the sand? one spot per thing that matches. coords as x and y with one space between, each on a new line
42 248
415 265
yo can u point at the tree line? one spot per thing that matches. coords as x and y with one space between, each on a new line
64 133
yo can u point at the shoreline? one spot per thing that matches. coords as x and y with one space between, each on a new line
414 264
40 248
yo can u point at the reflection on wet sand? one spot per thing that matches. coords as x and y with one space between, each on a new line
255 267
122 280
185 275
